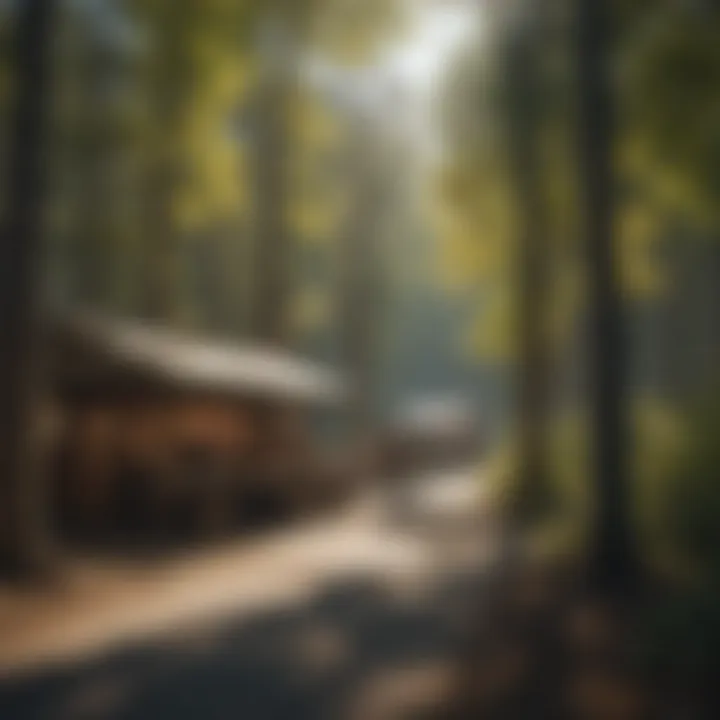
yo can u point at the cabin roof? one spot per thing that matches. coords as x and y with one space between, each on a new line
100 352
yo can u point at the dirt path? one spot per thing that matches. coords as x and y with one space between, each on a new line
354 616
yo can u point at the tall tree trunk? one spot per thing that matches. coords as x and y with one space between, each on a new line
613 548
170 89
524 125
24 541
360 284
272 245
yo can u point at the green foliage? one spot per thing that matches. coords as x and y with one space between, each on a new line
669 63
659 438
667 60
153 185
675 465
350 31
692 499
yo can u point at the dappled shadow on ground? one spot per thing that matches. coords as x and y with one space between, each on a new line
548 646
356 649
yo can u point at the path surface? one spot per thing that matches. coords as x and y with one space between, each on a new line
359 616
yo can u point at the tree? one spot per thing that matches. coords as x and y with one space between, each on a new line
349 30
361 271
523 93
271 150
613 550
24 524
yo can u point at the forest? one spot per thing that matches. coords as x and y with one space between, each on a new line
515 203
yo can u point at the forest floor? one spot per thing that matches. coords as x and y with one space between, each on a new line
399 608
545 646
363 615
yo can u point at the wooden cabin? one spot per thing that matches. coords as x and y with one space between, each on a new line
162 432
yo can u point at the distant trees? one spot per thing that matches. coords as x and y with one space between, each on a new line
271 162
504 186
524 213
287 30
191 76
173 153
362 270
163 202
620 224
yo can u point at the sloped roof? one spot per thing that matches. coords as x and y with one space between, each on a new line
96 351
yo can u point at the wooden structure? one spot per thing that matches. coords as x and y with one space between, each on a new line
430 434
160 431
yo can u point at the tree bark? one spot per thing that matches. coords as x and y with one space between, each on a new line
360 282
272 246
524 124
24 525
613 550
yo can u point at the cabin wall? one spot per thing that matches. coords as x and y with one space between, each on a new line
153 466
144 457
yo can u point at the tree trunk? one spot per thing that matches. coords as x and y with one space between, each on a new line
24 536
524 125
170 88
272 246
613 549
160 287
360 283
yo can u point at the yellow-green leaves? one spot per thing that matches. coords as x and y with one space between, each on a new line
318 199
350 31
